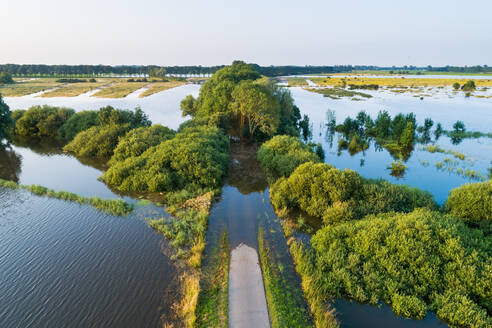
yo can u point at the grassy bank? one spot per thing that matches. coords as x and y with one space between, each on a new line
117 207
120 90
27 87
213 301
297 82
285 302
73 89
160 86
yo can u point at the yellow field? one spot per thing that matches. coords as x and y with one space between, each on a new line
120 90
161 86
73 89
28 87
396 82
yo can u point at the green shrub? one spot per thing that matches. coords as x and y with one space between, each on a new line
97 141
6 78
136 141
6 121
471 202
279 156
194 158
412 261
337 195
42 121
77 123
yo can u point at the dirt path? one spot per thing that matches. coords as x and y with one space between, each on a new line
247 303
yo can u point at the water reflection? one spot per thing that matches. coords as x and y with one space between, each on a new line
10 164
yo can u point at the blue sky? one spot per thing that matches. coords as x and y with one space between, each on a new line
185 32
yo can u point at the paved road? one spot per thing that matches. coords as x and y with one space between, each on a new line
247 303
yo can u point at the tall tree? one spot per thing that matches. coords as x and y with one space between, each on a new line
6 121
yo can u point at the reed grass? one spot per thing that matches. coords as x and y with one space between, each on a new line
117 207
27 87
160 86
73 89
120 89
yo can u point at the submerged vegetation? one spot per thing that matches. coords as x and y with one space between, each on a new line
111 206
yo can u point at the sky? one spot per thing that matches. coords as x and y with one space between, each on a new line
266 32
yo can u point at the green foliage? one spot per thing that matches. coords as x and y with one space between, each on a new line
97 141
137 141
238 101
279 156
471 202
6 78
412 261
255 105
6 121
77 123
111 206
469 86
456 86
283 306
195 158
336 195
71 80
111 116
397 168
42 121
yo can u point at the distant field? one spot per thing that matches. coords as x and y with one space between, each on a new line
396 81
74 89
28 87
161 86
397 73
297 82
120 90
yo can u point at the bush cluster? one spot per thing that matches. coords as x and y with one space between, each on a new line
279 156
195 158
416 261
336 195
471 202
41 121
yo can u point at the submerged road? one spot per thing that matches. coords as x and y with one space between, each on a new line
247 303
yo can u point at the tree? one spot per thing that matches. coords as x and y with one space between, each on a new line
159 72
6 78
188 106
407 136
456 86
468 86
459 127
6 121
255 104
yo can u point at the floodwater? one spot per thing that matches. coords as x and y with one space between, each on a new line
162 107
422 171
67 265
63 264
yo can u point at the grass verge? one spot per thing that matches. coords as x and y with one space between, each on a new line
73 89
120 90
160 86
213 300
111 206
281 296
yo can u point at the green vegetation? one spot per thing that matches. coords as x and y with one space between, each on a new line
469 86
297 82
161 86
78 122
116 207
195 159
120 90
138 140
417 261
334 195
279 156
6 78
471 202
73 89
437 149
337 93
6 122
213 300
65 80
101 140
24 88
397 168
237 100
281 299
41 121
364 86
